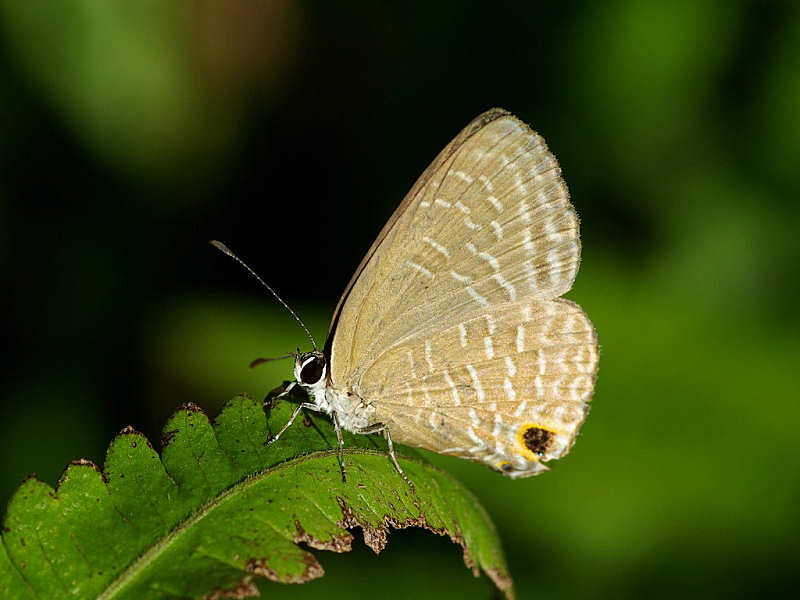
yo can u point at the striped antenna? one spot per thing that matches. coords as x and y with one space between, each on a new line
225 250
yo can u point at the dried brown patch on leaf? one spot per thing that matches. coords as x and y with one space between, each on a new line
337 543
458 537
244 589
81 462
84 462
502 581
167 437
375 536
258 566
130 431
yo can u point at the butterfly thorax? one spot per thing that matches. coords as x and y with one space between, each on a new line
311 373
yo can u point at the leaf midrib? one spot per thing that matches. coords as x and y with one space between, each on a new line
145 560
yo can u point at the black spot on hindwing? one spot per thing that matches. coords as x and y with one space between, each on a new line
536 439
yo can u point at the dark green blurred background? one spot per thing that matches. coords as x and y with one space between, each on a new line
131 133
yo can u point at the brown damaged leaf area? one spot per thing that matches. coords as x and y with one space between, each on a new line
338 543
190 503
502 581
314 570
376 537
244 589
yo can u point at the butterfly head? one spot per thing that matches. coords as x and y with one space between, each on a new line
311 370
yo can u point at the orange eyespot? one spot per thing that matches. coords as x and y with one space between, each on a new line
533 440
505 466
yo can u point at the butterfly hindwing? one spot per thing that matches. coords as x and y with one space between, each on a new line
474 387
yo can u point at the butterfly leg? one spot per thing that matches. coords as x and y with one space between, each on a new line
381 428
289 387
275 395
340 439
296 412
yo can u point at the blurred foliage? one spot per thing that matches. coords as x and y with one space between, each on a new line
134 80
132 134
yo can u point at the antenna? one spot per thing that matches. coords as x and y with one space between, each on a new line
225 250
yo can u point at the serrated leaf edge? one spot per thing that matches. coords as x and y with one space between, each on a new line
375 537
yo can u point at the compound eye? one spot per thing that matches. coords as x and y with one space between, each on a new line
312 371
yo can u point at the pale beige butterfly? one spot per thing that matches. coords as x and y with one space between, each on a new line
451 334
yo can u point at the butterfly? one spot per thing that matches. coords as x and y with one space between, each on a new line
452 334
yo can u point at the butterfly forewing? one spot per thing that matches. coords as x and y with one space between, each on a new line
487 232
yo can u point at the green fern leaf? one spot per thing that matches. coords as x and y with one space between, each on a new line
218 514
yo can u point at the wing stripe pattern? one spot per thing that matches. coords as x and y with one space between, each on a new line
453 332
